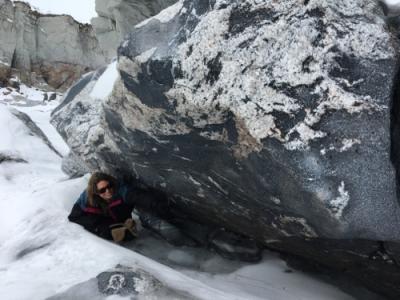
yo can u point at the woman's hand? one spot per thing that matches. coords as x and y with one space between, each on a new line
130 225
118 231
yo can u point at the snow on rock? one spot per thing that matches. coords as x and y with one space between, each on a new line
165 15
105 83
91 97
338 204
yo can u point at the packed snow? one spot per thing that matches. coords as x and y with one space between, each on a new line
42 254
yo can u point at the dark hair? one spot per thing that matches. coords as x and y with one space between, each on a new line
91 190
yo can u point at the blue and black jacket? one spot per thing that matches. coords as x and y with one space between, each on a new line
98 219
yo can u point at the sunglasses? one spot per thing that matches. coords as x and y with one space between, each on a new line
104 189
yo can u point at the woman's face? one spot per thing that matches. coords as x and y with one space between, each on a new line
105 190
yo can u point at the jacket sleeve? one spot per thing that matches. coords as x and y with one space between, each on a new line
97 224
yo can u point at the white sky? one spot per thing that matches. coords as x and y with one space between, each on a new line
81 10
84 10
391 2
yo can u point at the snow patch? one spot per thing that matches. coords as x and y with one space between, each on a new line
145 56
105 83
276 200
165 15
348 143
338 204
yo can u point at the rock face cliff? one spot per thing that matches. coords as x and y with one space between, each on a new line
51 48
117 19
272 119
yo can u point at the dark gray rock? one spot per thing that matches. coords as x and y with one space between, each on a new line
234 246
7 157
286 157
73 166
273 120
53 96
125 281
392 250
166 230
367 262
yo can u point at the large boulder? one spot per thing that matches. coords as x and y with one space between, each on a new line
273 119
55 47
118 18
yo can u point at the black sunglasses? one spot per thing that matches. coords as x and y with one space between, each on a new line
104 189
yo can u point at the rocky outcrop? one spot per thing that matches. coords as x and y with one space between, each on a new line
271 119
122 282
118 18
56 48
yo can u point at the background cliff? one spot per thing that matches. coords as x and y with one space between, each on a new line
56 50
40 48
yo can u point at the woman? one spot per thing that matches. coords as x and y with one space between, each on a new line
103 209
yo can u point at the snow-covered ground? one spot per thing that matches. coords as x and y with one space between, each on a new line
42 254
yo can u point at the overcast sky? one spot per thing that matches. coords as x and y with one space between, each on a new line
84 10
81 10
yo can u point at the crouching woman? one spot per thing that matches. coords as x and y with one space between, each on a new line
103 209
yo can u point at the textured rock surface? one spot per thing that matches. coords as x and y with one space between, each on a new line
272 119
73 166
268 116
117 18
123 282
55 47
